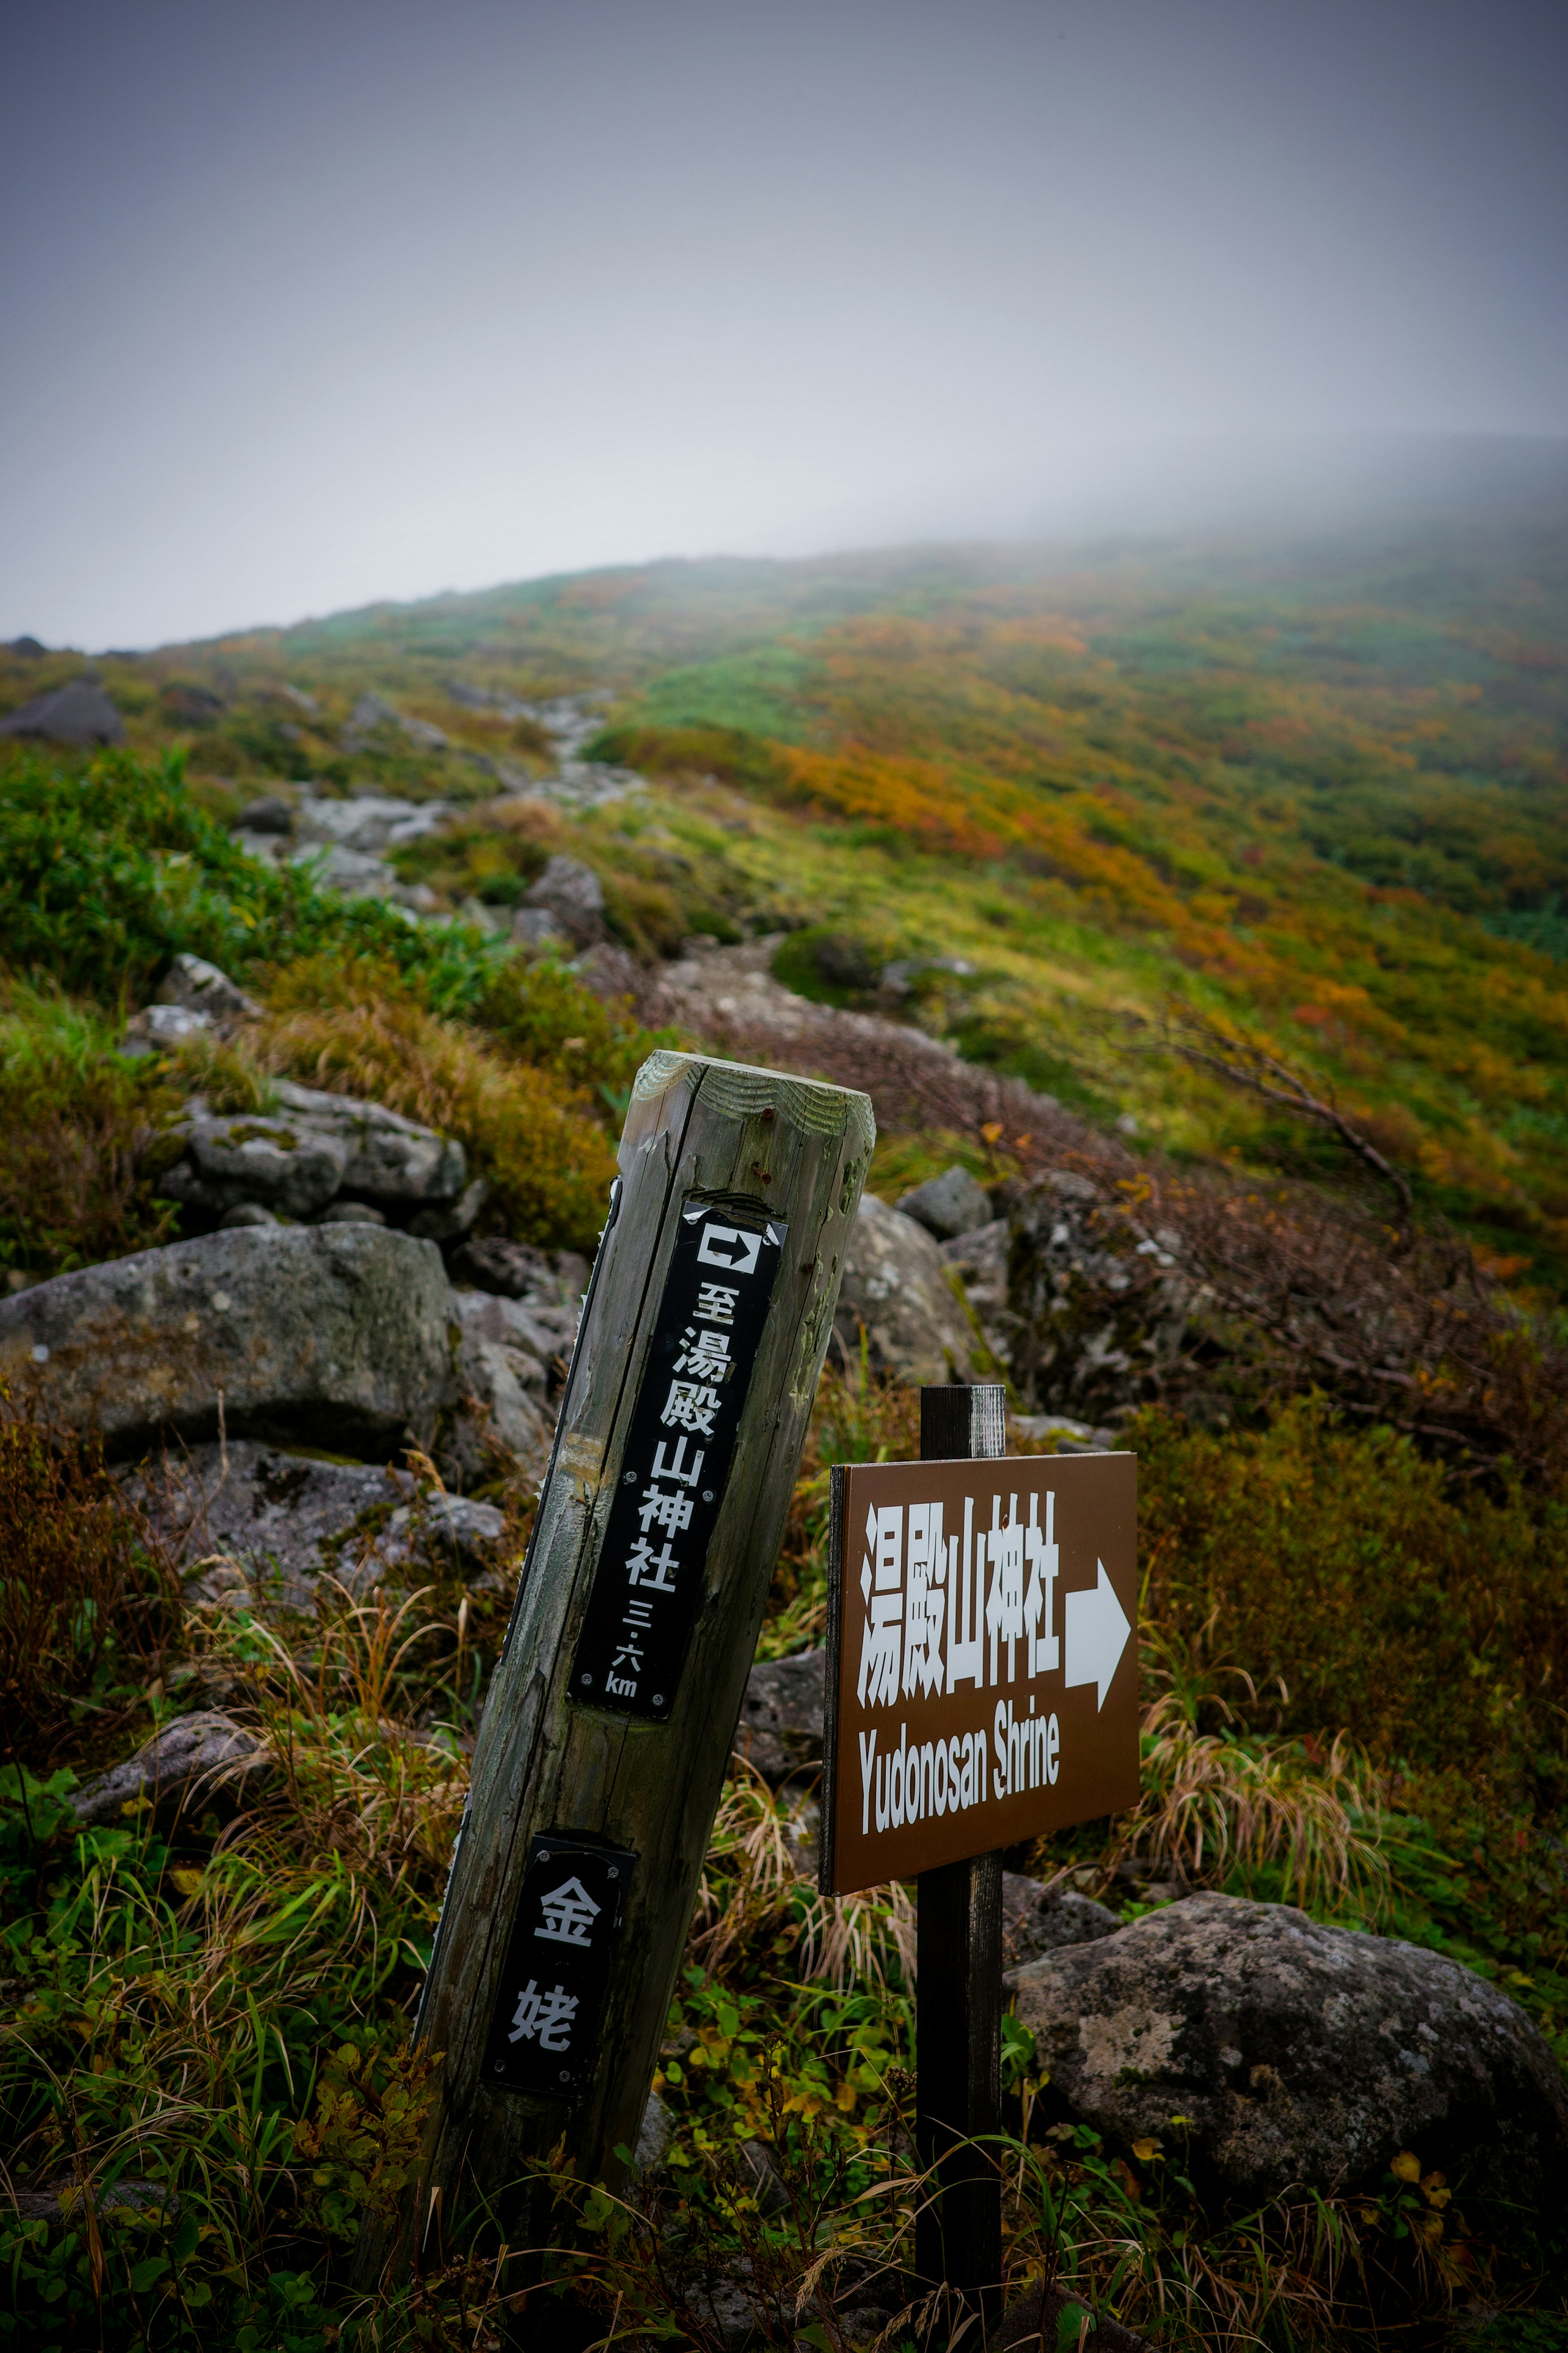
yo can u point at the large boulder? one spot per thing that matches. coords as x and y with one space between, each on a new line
80 715
952 1204
1297 2054
896 1286
340 1335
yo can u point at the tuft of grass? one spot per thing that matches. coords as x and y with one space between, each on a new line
80 1145
356 1029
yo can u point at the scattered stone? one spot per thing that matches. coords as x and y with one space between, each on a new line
948 1204
654 2136
201 987
494 1408
351 872
283 1519
780 1728
609 973
549 1284
127 2198
271 814
250 1157
574 895
80 715
352 1213
510 1324
896 1286
246 1213
334 1334
315 1146
194 1763
1301 2054
159 1028
369 822
451 1221
373 714
536 927
452 1531
1035 1920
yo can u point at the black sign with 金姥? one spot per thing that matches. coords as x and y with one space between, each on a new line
677 1460
545 2034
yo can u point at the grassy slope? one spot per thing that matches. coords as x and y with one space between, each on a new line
1309 796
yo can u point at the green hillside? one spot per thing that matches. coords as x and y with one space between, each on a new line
1317 796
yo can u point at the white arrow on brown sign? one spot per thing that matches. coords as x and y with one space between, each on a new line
983 1674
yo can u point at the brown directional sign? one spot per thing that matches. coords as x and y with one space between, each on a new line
983 1660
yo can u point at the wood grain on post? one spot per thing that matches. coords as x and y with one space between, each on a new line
958 1994
760 1148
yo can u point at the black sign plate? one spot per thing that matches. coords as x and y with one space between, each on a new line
649 1581
545 2036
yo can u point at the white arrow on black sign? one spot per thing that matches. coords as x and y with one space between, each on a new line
1097 1631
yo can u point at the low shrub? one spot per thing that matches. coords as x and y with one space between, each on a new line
109 869
1359 1593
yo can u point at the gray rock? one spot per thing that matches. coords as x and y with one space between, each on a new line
159 1028
351 871
372 715
1301 2054
449 1532
529 1344
250 1158
391 1160
334 1334
80 715
352 1213
29 648
1033 2323
195 1762
982 1261
271 814
654 2136
609 973
202 987
780 1728
451 1221
948 1204
548 1283
369 822
1035 1921
896 1285
494 1408
283 1519
574 895
761 2177
246 1213
536 927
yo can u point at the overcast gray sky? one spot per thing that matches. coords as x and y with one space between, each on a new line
316 302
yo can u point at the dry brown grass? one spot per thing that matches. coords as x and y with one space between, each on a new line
533 1135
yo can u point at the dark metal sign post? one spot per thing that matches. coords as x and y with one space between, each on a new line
982 1690
607 1733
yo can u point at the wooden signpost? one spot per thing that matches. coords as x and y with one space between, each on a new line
982 1690
605 1735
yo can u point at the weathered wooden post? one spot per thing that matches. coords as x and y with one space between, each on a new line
958 1990
604 1743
